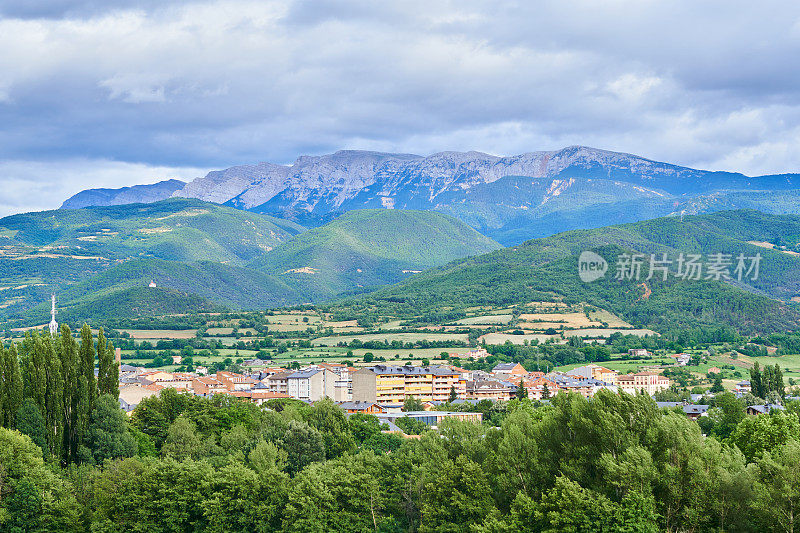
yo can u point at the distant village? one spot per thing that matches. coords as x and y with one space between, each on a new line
382 389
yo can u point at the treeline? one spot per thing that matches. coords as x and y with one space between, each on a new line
613 463
49 391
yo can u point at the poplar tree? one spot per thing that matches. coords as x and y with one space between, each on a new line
108 369
87 357
12 387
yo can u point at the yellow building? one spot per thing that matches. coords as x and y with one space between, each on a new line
386 384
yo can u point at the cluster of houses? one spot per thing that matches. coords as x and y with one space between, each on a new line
381 386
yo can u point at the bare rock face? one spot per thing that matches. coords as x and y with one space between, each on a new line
327 183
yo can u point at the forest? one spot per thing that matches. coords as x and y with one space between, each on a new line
72 460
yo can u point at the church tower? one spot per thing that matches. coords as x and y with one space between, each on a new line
53 324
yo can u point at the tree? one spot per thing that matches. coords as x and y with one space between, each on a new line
521 392
182 440
545 392
758 434
776 492
34 497
412 404
107 436
108 368
303 445
756 384
453 396
717 386
11 390
30 422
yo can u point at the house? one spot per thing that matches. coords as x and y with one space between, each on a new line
208 386
202 370
764 409
715 370
509 370
742 387
682 359
648 382
176 359
695 411
472 353
368 408
234 381
638 352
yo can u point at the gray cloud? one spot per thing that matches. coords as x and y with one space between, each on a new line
211 84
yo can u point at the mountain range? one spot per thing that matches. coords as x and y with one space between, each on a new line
510 199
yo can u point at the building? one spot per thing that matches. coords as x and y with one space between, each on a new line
234 381
764 409
312 384
257 397
343 388
743 387
367 408
472 353
386 384
695 411
682 359
130 396
509 370
208 386
490 389
715 370
176 359
431 418
595 372
638 352
278 382
648 382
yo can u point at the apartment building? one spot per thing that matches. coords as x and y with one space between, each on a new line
649 382
312 384
386 384
594 371
343 388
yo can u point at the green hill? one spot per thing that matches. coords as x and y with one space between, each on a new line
52 251
176 229
363 249
542 269
225 285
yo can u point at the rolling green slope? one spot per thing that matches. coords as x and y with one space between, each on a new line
363 249
175 229
225 285
52 251
543 268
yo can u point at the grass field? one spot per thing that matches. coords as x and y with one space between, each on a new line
389 337
161 333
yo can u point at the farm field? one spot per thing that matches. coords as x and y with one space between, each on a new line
389 337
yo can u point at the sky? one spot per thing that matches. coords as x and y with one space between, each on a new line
109 93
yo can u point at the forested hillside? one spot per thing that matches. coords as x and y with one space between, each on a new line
548 268
364 249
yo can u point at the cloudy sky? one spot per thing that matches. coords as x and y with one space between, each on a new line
112 93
